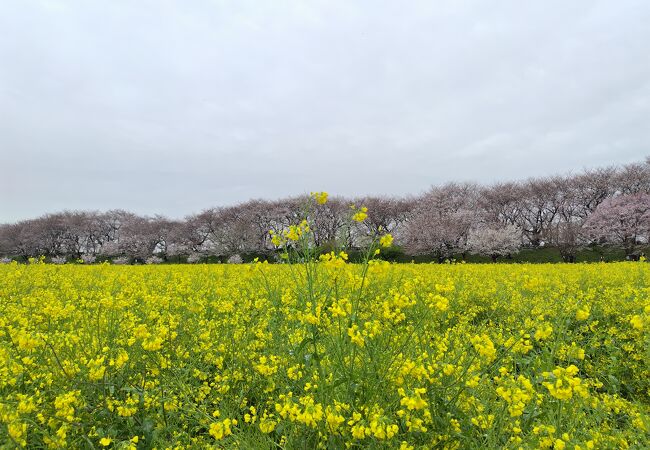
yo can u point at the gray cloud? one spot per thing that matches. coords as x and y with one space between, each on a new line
174 106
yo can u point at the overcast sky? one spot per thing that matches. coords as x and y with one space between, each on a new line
174 106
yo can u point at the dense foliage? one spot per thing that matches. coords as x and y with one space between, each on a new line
325 354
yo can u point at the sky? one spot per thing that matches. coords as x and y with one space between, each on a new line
172 107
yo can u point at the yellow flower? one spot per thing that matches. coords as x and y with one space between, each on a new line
637 322
544 331
583 313
437 301
484 346
386 240
564 383
121 359
360 215
17 432
320 197
96 369
355 336
105 441
517 393
220 430
294 233
415 401
267 424
334 420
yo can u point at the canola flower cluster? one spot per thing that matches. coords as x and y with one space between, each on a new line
376 356
325 354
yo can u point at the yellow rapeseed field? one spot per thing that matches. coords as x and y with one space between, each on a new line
325 354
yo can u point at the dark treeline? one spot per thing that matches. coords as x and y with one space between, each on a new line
606 206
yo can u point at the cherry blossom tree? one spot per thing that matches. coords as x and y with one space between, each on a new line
623 220
540 203
502 202
494 240
385 215
633 178
441 221
592 188
329 221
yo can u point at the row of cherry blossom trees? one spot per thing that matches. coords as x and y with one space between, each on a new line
607 206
